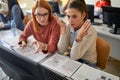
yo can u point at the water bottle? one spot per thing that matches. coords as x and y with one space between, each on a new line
14 28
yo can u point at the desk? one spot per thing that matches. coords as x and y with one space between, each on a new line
35 70
112 39
19 67
7 34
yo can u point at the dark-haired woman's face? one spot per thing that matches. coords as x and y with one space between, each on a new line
75 17
5 1
41 15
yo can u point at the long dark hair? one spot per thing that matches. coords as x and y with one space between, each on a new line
80 5
11 3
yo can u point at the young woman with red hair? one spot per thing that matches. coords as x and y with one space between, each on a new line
43 26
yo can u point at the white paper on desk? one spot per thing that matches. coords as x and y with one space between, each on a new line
87 72
61 64
12 41
29 49
29 52
37 57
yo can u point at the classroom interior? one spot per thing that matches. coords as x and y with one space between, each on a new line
113 65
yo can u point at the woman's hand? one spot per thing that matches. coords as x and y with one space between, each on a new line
62 24
39 46
23 44
83 30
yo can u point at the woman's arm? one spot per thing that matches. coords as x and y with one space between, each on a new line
64 36
54 38
64 41
79 48
26 33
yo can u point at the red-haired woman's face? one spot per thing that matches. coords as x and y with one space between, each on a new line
42 16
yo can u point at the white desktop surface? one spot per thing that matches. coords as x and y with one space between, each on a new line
7 34
104 30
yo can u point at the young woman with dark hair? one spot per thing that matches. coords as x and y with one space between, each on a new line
14 13
79 35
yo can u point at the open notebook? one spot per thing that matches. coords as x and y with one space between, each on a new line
61 64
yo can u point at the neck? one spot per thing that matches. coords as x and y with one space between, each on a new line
77 28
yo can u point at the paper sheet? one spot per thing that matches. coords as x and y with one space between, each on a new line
62 64
86 72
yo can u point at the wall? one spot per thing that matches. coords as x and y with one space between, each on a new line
115 3
26 3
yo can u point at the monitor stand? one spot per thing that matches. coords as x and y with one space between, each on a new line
115 31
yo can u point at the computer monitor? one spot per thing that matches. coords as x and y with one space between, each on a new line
55 7
17 66
111 17
90 10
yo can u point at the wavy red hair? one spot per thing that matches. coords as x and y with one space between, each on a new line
44 4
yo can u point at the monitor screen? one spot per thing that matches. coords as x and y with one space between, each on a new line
90 9
111 17
10 62
15 65
55 7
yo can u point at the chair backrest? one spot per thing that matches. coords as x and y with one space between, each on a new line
103 51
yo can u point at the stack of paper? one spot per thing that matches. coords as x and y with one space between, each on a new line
86 72
61 64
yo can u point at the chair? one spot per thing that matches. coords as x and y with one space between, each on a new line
103 51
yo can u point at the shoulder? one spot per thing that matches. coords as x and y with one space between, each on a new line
105 3
92 30
98 2
30 22
16 7
54 23
29 25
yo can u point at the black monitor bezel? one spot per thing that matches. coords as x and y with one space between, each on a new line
111 17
